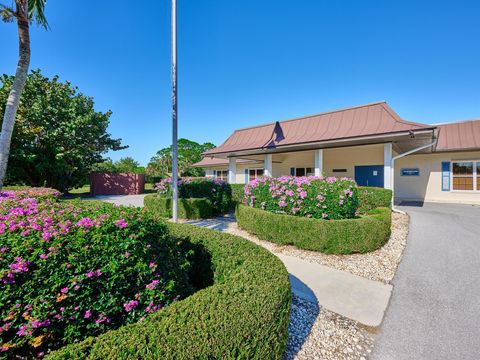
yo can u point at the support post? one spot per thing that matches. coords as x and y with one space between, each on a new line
174 115
387 166
232 170
267 165
318 162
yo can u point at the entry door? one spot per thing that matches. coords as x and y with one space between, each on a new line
369 175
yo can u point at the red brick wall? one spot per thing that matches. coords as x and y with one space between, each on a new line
116 184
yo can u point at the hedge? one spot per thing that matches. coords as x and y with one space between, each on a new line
370 198
193 208
244 314
238 192
359 235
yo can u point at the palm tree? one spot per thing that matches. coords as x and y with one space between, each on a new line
23 12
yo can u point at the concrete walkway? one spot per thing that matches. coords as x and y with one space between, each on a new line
346 294
125 200
435 307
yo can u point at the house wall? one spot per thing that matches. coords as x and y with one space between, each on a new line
428 185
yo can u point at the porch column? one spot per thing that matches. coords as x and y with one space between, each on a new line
267 165
232 170
387 166
318 162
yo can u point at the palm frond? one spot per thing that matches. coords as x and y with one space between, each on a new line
36 12
6 13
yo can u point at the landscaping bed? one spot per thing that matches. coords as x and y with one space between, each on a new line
360 235
133 287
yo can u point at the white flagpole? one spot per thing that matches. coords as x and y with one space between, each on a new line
174 114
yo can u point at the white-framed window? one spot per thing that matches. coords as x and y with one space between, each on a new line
466 175
254 174
222 174
300 171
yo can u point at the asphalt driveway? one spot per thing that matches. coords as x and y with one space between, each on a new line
434 312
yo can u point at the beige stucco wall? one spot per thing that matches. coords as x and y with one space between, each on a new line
428 186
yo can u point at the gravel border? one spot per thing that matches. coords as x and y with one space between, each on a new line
316 333
379 265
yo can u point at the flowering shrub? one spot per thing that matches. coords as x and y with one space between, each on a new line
315 197
36 193
216 190
67 272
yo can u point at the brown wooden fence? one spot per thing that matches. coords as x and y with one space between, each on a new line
104 183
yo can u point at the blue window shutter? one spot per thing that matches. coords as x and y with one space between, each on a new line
292 171
246 176
214 173
445 175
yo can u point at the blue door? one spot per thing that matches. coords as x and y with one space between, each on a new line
369 175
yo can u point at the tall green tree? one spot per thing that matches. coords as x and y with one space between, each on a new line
23 12
189 152
58 135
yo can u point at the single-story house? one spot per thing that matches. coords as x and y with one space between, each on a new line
369 143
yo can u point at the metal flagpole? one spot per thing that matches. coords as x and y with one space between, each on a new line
174 114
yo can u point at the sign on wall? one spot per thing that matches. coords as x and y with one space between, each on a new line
410 172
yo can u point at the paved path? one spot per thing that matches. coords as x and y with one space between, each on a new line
346 294
435 308
126 200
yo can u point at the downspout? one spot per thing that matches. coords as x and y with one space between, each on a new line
393 168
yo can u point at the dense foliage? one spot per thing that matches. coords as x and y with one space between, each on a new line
124 165
359 235
68 272
244 314
193 208
316 197
58 135
238 192
217 191
189 152
371 198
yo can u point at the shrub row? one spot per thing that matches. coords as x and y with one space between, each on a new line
187 208
370 198
68 273
346 236
306 196
244 314
238 192
216 190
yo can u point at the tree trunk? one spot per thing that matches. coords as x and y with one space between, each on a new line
17 87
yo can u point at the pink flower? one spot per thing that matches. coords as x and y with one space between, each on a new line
122 224
88 313
132 304
85 222
64 290
152 285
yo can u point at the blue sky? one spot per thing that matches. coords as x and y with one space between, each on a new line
246 62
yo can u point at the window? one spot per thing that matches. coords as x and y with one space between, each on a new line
254 174
222 174
465 175
304 172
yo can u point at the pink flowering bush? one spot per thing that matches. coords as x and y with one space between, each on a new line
68 272
311 196
217 191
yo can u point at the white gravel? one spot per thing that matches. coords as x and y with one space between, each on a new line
316 333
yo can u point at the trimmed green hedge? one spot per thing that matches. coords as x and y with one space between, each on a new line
346 236
193 208
238 192
244 314
370 198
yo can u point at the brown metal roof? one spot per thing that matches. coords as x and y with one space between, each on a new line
366 120
209 161
459 136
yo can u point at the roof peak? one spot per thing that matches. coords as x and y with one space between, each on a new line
313 115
